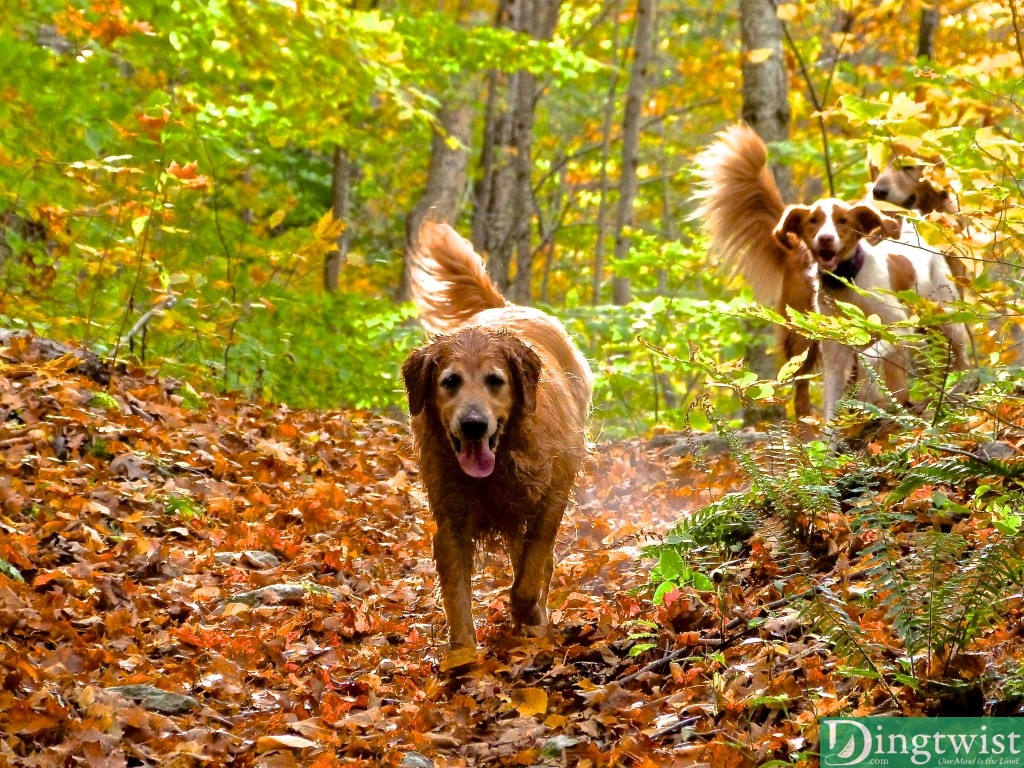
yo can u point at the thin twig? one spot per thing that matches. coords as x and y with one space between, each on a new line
166 303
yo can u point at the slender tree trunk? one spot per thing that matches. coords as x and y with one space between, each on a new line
926 32
604 187
765 80
446 179
643 46
343 175
504 195
766 109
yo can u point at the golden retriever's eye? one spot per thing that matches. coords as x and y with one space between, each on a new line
841 220
451 382
494 381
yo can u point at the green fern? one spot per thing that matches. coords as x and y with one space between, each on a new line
938 590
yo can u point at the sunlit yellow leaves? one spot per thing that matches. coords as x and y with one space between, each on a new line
531 701
904 107
457 658
139 224
328 227
759 55
787 11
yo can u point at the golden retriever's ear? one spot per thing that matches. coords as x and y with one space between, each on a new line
792 219
418 373
526 366
869 219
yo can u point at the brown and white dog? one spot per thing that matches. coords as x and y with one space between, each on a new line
805 257
498 404
904 183
852 270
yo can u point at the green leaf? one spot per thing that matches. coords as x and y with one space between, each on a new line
10 571
671 564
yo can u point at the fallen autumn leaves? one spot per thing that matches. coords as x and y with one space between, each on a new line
229 583
271 570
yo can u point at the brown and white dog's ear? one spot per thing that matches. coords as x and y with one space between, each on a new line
869 219
418 372
792 220
526 366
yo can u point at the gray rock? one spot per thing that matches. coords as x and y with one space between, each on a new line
416 760
156 699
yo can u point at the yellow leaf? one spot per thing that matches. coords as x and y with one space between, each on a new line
555 721
282 741
903 107
234 609
788 371
328 227
534 702
759 55
786 11
458 657
276 218
278 141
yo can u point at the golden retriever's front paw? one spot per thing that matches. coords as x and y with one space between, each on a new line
531 614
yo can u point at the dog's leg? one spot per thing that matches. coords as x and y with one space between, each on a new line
534 566
959 340
891 364
453 555
838 361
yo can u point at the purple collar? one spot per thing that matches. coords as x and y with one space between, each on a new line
845 270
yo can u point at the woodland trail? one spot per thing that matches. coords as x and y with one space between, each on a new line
273 568
195 579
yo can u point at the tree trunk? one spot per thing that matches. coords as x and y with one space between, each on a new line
765 80
606 146
504 194
343 175
643 46
926 32
446 179
766 109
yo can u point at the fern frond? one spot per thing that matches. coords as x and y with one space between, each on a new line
972 597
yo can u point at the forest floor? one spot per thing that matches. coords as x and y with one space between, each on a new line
200 580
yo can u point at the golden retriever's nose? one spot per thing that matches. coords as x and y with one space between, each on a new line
473 427
879 193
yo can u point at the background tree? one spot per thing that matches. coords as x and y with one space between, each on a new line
643 44
447 177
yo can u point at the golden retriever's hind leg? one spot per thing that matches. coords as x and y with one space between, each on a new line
454 558
533 570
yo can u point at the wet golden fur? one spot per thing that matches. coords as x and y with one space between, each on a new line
503 375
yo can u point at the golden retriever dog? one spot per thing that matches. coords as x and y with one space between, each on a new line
498 403
807 257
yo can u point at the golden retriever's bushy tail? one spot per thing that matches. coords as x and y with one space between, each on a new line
447 279
739 206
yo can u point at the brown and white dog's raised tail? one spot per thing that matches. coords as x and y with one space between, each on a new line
448 280
739 206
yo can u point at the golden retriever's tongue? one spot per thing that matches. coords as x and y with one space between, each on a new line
476 458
